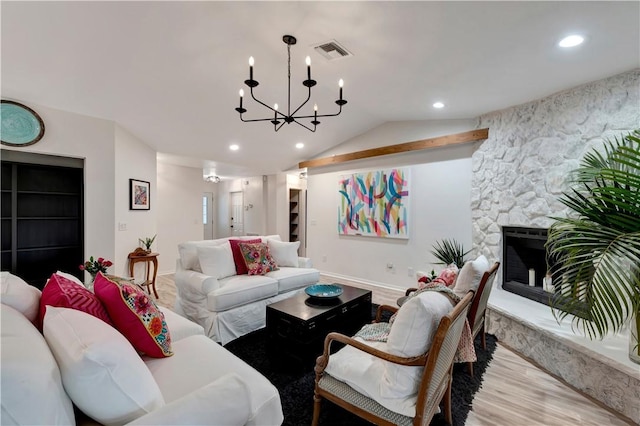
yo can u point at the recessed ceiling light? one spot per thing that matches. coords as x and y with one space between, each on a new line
234 147
438 105
299 145
571 41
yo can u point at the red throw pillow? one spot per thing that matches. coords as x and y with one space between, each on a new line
257 258
238 259
61 292
135 315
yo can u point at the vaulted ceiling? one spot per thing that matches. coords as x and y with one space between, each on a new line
170 72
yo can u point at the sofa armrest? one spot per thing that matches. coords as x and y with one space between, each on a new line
191 282
305 262
225 401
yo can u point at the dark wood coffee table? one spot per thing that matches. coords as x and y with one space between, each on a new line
298 325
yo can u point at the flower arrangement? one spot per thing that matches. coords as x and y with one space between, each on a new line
93 266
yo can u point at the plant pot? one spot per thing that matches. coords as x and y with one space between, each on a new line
634 333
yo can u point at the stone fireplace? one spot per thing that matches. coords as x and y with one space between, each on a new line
518 175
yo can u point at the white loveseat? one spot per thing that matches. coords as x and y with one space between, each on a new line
228 305
83 361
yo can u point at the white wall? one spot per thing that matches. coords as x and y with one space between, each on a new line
79 136
179 210
133 160
440 194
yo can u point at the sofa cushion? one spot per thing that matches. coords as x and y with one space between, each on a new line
257 258
199 361
101 371
70 277
225 400
189 252
180 326
65 293
216 261
238 259
285 254
135 315
292 278
411 335
32 392
240 290
19 295
470 275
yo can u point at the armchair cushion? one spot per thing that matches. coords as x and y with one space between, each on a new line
363 371
101 371
216 261
411 335
470 275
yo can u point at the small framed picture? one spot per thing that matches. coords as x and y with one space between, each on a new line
139 195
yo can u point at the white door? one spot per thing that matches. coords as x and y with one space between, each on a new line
207 215
236 214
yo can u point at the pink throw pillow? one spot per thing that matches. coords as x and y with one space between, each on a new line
61 292
257 258
238 259
135 315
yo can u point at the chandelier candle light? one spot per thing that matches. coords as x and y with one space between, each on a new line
288 117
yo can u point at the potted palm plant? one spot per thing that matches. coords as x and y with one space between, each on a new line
596 250
449 251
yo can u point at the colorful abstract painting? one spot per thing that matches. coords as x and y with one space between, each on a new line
374 203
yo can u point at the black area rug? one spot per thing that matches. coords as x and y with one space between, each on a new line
296 385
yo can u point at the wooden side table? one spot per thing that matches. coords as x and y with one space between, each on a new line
148 259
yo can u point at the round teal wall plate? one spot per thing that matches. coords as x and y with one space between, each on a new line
20 125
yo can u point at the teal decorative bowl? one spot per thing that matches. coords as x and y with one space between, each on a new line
324 291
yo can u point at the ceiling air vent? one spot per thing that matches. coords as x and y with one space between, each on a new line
332 50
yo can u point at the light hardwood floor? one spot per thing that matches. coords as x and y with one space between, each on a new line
514 391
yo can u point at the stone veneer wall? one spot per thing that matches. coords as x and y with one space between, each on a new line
520 171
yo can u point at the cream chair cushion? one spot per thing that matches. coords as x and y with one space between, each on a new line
470 275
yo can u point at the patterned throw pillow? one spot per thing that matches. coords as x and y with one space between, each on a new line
257 258
238 259
64 293
135 315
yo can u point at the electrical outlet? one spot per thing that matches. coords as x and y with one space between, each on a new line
410 272
122 226
389 266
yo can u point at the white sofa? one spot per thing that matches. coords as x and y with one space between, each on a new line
83 361
228 305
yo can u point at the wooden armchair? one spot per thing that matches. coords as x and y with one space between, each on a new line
434 383
478 309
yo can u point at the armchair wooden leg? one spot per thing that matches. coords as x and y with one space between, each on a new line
447 401
484 339
470 368
316 409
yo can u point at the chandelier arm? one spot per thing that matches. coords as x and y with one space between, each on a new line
319 115
303 104
276 127
265 105
256 119
308 128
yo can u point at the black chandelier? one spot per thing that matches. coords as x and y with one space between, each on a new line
289 117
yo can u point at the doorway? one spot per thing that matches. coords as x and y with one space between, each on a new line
236 214
207 215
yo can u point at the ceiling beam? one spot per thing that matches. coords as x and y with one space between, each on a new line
458 138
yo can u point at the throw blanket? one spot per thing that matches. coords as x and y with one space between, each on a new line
379 331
